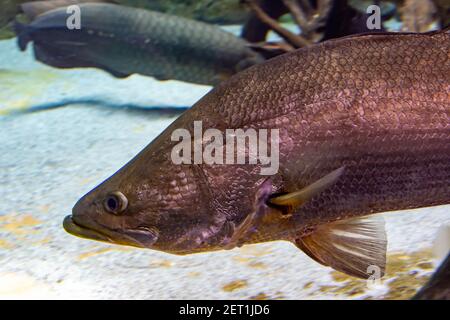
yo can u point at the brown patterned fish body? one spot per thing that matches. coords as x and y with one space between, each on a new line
364 127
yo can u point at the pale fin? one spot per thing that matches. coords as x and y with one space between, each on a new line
350 246
298 198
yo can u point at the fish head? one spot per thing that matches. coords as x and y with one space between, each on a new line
149 203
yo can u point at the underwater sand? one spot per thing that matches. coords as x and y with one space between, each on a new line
89 125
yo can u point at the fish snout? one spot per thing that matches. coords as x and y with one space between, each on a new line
83 212
81 223
84 222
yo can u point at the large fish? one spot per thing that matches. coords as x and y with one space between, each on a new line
364 128
124 41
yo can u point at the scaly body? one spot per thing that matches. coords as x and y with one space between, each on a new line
372 109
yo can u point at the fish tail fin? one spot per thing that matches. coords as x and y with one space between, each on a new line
23 35
356 246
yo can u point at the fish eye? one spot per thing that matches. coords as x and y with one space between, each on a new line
115 202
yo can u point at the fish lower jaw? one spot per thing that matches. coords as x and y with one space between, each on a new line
109 236
83 232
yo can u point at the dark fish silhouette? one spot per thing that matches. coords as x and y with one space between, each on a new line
364 128
123 41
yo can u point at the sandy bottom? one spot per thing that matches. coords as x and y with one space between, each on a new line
89 126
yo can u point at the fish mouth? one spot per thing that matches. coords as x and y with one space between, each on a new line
82 231
141 238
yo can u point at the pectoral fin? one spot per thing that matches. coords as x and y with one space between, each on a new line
298 198
356 247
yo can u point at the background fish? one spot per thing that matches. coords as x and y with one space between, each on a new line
364 125
123 41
